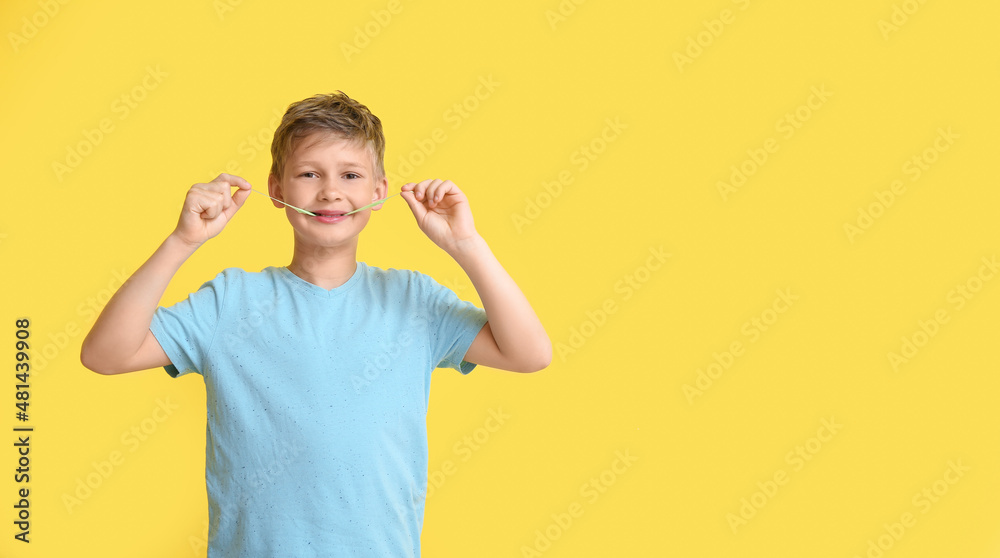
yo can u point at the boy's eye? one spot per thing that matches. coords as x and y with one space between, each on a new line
308 174
352 175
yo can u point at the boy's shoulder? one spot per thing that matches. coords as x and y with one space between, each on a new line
401 276
232 274
394 273
233 279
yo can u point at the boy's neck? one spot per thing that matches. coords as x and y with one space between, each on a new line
324 267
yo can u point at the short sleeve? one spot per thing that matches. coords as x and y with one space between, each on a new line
187 329
454 326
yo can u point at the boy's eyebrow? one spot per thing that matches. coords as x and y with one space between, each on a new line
344 164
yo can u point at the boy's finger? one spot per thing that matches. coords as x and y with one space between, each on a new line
202 198
232 180
418 190
240 196
429 191
422 187
440 189
416 207
444 188
221 203
208 208
210 203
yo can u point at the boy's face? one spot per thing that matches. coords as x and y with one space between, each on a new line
328 175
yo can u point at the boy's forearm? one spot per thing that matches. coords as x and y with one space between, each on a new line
518 332
123 324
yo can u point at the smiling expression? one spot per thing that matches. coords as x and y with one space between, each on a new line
329 176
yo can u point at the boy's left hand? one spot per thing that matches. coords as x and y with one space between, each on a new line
442 212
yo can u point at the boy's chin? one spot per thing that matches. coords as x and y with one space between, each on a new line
322 243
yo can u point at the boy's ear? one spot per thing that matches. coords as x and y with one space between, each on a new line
274 189
381 190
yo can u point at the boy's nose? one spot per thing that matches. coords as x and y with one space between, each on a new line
329 191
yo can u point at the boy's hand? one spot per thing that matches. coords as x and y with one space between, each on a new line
208 207
442 212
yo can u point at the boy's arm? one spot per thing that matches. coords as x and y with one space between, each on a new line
120 340
513 337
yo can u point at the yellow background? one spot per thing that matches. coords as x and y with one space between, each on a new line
204 77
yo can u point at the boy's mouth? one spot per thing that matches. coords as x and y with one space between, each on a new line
330 216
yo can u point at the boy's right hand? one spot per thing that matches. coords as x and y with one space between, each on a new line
209 207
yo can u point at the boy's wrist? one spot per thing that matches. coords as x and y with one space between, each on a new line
469 249
180 246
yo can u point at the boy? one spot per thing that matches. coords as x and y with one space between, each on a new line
317 374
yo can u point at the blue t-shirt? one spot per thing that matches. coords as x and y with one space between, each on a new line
316 440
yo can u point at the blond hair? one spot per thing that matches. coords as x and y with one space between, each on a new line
335 113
